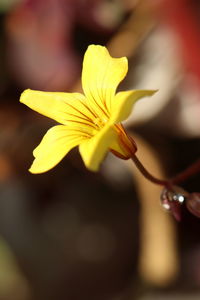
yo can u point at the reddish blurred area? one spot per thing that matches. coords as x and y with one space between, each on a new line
183 18
71 234
41 46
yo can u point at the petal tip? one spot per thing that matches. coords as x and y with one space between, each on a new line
34 170
152 92
96 48
23 96
93 169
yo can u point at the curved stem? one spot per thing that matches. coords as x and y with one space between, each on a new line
188 172
147 174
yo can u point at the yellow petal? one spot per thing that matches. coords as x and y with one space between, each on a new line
100 77
94 150
123 102
116 146
61 107
56 143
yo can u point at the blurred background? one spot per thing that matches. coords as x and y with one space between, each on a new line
71 234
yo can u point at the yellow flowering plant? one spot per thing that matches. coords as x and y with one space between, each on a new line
92 121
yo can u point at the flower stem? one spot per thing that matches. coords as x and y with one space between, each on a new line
188 172
146 173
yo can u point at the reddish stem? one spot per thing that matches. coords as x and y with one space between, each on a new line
188 172
147 174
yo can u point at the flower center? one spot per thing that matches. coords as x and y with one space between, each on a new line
99 122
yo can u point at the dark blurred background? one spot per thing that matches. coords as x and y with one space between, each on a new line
71 234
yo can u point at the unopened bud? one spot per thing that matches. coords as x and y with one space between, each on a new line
172 198
193 204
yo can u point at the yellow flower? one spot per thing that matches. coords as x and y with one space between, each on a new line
92 120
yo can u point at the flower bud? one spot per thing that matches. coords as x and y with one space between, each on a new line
172 198
193 204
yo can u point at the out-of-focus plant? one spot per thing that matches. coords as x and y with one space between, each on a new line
11 280
6 5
